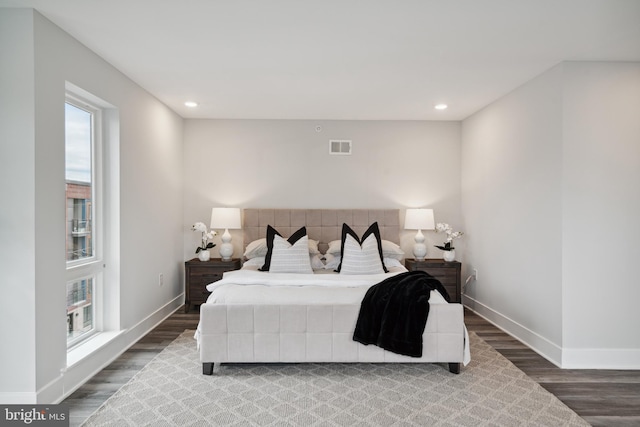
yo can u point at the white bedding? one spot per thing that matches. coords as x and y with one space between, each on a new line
249 286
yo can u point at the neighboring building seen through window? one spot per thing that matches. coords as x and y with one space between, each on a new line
79 308
82 273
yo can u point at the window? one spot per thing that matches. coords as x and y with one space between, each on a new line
83 219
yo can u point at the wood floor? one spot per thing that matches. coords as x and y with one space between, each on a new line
602 397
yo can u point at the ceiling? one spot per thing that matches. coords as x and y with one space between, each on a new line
342 59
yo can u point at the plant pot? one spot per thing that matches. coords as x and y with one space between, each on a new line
204 255
449 255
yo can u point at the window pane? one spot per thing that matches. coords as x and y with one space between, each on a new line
79 308
78 175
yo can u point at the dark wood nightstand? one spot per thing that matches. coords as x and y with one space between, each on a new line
447 272
198 274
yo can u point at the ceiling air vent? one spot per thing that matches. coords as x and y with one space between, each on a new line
340 147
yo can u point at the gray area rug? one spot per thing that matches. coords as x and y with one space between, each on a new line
490 391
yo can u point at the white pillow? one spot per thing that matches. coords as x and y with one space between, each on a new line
258 248
313 247
255 249
254 262
392 262
358 259
334 247
331 262
288 258
389 249
316 262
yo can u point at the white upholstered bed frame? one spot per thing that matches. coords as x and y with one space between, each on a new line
292 333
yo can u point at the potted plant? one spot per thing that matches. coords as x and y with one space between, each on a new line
449 251
203 250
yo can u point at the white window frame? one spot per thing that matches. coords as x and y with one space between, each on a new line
91 266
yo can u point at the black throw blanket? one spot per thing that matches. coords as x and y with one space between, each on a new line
394 312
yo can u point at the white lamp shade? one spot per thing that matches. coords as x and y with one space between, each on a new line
225 218
419 219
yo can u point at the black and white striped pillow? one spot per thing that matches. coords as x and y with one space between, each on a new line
361 256
271 233
290 258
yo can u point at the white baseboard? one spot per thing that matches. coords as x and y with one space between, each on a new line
83 370
597 358
565 358
538 343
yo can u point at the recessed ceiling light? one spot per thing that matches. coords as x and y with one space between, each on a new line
191 104
441 107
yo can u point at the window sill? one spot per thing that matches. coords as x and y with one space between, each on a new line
89 347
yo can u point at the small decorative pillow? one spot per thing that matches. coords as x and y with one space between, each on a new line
334 247
361 256
316 262
331 262
290 258
271 233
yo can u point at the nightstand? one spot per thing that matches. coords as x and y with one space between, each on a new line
198 274
447 272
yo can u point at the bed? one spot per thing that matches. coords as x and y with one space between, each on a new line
281 316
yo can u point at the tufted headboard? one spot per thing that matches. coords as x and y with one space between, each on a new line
323 225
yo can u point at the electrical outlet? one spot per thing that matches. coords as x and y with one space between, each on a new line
161 279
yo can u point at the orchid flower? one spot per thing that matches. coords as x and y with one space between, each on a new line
206 236
442 227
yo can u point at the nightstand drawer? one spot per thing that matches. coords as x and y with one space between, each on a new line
202 277
198 274
447 276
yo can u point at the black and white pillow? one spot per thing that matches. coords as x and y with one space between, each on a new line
271 233
290 258
361 255
258 249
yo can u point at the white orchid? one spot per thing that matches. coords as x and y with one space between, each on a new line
206 236
442 227
199 226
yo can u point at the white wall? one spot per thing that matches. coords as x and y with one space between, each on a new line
150 219
286 163
511 203
17 212
601 212
550 198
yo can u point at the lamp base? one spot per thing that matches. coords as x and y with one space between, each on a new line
226 248
419 251
226 251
